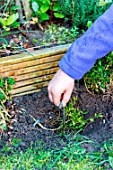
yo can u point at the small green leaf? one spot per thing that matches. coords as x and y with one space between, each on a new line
46 2
16 16
56 7
35 6
91 119
44 17
16 142
2 82
14 8
57 15
12 19
2 21
15 24
89 24
44 8
6 29
2 96
111 161
11 81
5 43
35 40
4 127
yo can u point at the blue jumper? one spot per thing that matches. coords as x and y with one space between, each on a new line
95 43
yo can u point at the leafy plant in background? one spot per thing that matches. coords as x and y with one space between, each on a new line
5 87
9 16
82 11
98 78
59 34
8 20
46 9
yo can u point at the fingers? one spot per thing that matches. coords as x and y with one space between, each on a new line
54 96
66 97
60 84
56 99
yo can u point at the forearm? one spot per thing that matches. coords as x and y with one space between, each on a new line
94 44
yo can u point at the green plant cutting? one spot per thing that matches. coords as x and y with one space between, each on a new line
75 117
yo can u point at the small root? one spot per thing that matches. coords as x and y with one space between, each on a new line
37 122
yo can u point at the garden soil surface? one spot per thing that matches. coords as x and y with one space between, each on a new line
28 108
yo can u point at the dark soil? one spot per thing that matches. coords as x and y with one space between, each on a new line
37 105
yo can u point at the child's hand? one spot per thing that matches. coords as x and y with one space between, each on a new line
60 88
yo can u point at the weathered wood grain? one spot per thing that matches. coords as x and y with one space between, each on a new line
18 66
26 56
33 84
29 69
26 80
32 71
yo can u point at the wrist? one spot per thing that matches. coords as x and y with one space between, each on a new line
65 74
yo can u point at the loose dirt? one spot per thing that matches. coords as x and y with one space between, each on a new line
35 106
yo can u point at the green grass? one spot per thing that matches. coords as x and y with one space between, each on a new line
72 155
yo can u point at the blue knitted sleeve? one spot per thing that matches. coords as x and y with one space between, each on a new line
94 44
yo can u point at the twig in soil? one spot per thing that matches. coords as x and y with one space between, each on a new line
37 122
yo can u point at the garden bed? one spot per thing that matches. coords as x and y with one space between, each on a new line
27 109
21 133
34 133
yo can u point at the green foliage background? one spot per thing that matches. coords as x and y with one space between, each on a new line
81 11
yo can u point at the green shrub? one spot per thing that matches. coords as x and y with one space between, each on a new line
5 87
75 117
98 78
82 11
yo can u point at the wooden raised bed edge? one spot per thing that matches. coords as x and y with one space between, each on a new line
32 71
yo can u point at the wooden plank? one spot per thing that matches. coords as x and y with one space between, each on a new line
36 85
35 55
29 69
32 81
32 71
29 88
34 74
26 92
30 63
